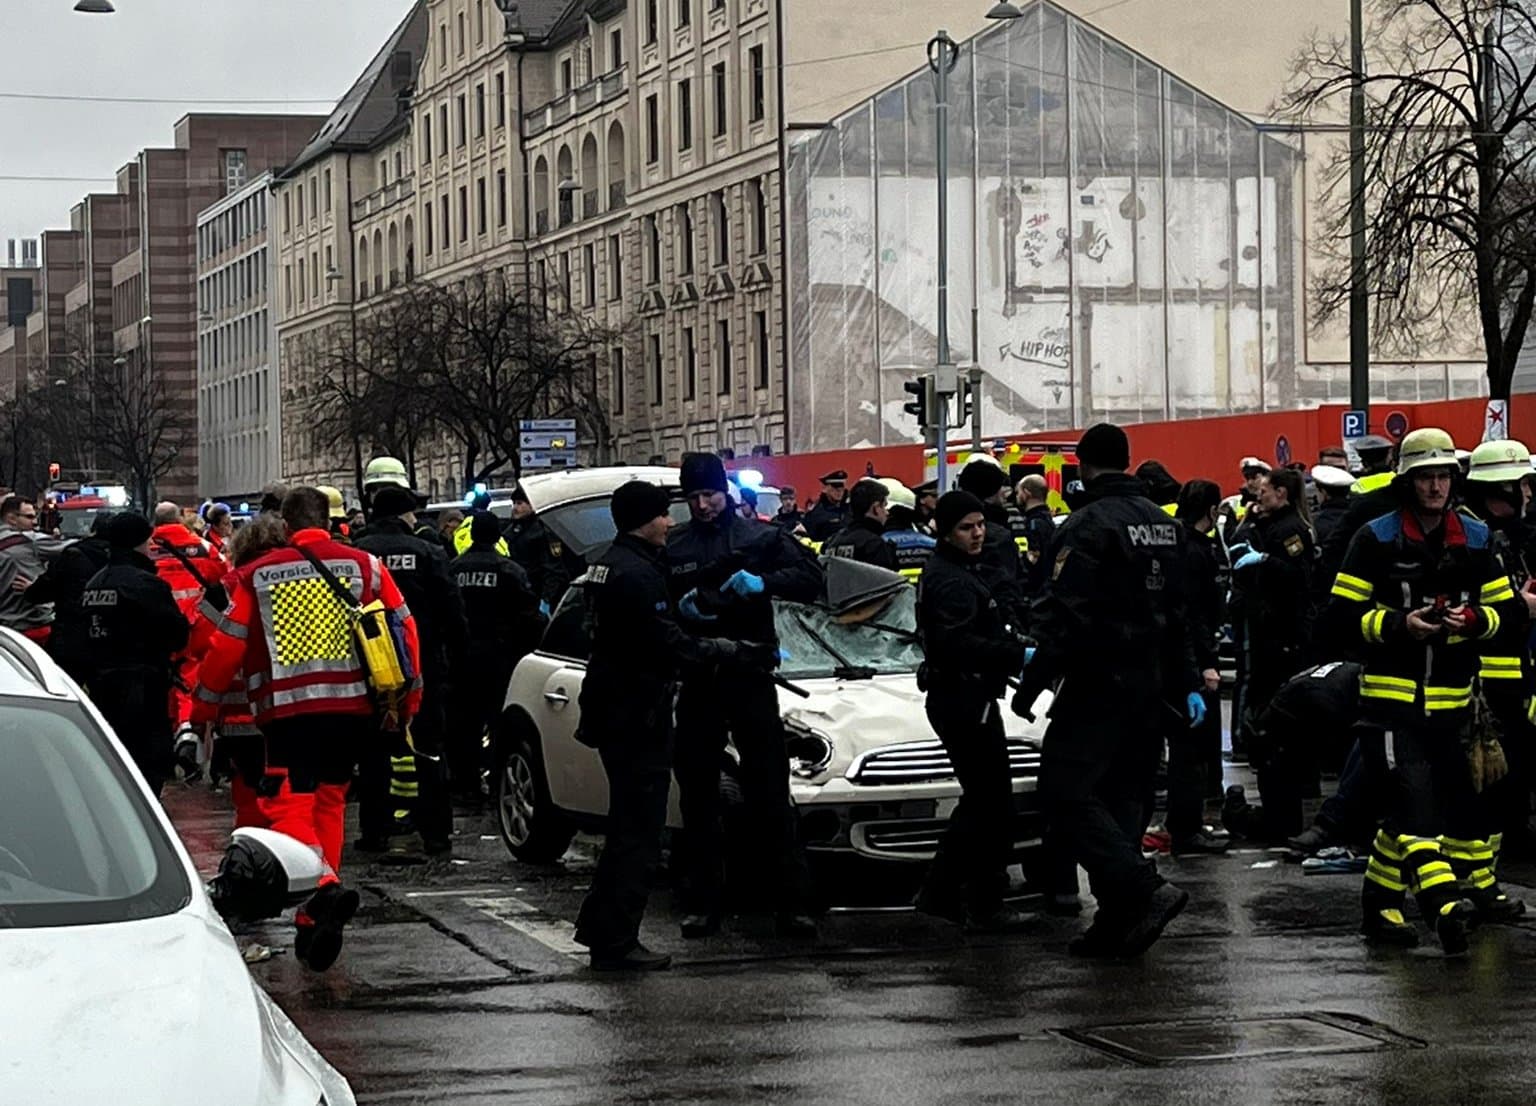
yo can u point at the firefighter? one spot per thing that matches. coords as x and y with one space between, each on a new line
970 654
862 540
340 531
1498 492
62 584
913 546
461 539
626 714
1001 557
1039 530
1371 495
1420 594
504 626
190 566
411 774
1111 635
382 472
550 565
831 511
314 708
724 572
134 628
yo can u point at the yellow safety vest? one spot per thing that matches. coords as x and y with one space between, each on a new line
1371 483
462 540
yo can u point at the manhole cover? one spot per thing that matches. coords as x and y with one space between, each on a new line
1187 1042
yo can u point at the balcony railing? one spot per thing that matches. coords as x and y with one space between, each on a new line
542 222
599 90
615 195
399 189
589 209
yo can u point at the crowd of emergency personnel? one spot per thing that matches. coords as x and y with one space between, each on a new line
1379 620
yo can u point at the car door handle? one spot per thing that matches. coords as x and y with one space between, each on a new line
557 696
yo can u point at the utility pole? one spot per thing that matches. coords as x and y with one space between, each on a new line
943 53
1359 302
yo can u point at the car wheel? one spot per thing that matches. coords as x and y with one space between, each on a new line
532 829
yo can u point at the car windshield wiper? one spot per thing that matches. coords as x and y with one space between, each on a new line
846 669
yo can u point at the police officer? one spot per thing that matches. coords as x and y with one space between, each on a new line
1001 557
626 713
861 539
1234 509
970 653
913 546
831 511
504 627
413 770
62 585
1111 635
725 571
134 628
1332 486
790 516
550 566
1039 530
1370 497
927 502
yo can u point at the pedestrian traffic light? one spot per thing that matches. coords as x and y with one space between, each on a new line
53 470
922 405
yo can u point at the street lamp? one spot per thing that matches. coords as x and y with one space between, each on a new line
1359 301
1004 10
95 7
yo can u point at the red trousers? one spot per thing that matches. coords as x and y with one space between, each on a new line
314 818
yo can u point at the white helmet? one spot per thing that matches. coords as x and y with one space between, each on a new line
385 470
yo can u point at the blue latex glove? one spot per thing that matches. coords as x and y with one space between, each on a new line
1238 549
544 607
1195 705
744 584
1250 558
1029 655
689 606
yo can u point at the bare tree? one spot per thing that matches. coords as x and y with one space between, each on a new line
1450 181
132 422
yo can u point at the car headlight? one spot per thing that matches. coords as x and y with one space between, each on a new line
810 751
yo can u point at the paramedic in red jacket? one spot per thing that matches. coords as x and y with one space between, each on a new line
189 565
293 640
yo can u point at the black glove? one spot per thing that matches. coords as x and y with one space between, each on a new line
756 655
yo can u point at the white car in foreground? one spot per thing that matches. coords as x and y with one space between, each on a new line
868 776
121 983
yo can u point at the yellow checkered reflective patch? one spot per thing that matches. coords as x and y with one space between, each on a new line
308 623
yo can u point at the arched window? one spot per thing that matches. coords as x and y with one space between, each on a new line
563 172
589 182
541 193
362 267
410 249
394 255
378 261
618 171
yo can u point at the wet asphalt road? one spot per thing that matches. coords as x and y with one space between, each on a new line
460 984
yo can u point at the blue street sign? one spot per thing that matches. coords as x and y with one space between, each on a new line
1354 424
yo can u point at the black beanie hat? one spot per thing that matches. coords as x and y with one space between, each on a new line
983 479
637 503
485 529
953 506
392 501
703 472
1105 447
128 530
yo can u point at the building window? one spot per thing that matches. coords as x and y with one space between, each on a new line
299 195
565 76
722 229
616 367
463 120
723 354
615 267
442 46
314 198
759 83
652 250
427 230
463 213
501 100
326 192
480 216
383 172
234 170
288 288
684 15
759 218
652 132
685 114
719 83
446 222
287 212
589 272
460 24
501 197
760 347
479 111
690 364
479 20
589 70
442 128
716 5
615 48
684 240
565 279
652 20
303 294
543 288
656 371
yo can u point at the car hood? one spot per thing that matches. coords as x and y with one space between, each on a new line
861 715
158 1012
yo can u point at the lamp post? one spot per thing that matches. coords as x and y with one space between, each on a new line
1359 302
332 276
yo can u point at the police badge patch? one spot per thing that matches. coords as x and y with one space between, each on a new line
1294 545
555 548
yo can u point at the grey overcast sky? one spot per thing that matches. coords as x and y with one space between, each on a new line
193 52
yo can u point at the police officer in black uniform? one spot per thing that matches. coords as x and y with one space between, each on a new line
970 653
861 539
1039 532
1111 636
62 584
550 565
414 771
504 627
1001 562
134 628
1370 497
831 511
626 713
724 571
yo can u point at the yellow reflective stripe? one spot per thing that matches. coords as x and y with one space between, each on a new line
1379 873
1500 668
913 574
1447 698
1418 844
1458 849
1438 879
1386 846
1353 587
403 790
1388 687
1482 879
1491 617
1497 591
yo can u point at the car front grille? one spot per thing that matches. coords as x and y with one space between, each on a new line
926 761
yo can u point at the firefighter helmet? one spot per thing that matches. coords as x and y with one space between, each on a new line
900 494
1500 462
333 497
385 470
1429 448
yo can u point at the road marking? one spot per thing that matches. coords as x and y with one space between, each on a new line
553 933
451 894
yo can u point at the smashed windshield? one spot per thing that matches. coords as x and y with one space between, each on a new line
881 640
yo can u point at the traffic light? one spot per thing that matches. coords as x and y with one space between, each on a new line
922 405
53 470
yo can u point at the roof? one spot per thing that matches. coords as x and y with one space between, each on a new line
552 489
370 112
551 22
